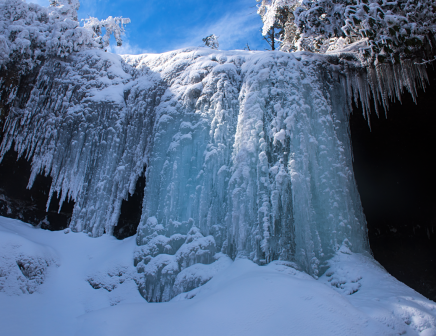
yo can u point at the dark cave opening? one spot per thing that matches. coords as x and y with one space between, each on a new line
131 210
395 173
29 205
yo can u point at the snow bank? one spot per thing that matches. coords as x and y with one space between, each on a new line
66 291
241 299
23 263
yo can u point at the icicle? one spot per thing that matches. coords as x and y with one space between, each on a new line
383 83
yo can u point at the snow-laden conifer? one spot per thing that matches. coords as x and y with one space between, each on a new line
30 33
211 41
379 30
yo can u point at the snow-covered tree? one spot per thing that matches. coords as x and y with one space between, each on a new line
29 32
66 8
272 37
385 30
211 41
112 26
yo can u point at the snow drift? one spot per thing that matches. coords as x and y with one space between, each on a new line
242 299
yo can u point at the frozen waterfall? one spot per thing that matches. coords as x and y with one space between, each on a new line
247 154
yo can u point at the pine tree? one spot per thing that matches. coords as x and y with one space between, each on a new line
66 8
211 41
385 31
29 33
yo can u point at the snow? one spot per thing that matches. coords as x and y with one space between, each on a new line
65 292
242 298
24 264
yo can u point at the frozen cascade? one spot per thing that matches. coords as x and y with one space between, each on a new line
247 153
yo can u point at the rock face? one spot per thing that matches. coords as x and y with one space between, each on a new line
247 154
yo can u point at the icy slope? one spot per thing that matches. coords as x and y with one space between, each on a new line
246 153
242 299
65 292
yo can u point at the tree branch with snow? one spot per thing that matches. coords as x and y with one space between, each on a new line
388 30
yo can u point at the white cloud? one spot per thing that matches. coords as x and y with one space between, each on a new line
126 49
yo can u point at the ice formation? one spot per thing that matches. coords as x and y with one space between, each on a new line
247 154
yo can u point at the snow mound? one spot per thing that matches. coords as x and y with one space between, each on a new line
381 296
169 266
23 264
278 299
197 275
111 278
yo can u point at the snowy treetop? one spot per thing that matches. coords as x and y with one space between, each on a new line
390 30
29 32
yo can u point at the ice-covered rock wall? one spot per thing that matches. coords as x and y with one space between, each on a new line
254 151
247 154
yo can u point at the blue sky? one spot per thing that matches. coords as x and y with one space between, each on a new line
163 25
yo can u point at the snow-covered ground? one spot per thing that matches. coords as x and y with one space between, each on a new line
85 286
